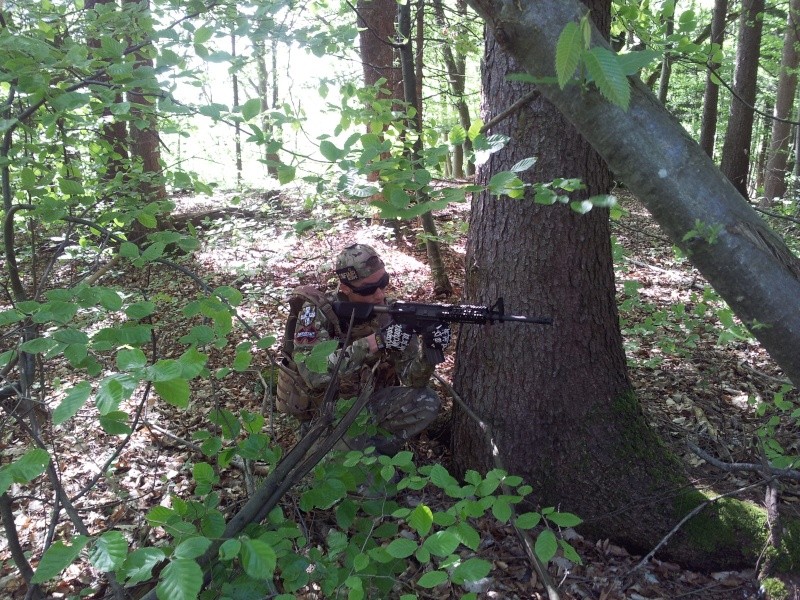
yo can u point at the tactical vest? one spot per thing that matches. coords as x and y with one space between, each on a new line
293 395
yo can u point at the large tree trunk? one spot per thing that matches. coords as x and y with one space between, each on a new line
736 149
558 398
775 175
645 146
708 127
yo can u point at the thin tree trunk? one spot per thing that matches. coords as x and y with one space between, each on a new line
736 149
775 175
237 132
456 79
441 281
708 127
666 64
113 132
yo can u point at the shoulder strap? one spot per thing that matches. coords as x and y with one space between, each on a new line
301 295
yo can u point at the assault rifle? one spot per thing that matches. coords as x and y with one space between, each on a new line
420 317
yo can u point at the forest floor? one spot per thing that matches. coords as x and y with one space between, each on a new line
692 387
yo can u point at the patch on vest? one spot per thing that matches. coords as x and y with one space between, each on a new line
305 335
308 315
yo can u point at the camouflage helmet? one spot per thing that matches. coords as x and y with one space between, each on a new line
357 262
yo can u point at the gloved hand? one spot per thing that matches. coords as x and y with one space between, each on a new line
394 337
437 336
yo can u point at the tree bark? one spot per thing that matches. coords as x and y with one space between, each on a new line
775 173
646 147
559 399
441 282
113 132
145 142
708 127
666 64
736 148
456 79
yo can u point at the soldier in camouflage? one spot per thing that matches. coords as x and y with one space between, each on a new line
402 404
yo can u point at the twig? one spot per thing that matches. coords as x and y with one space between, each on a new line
766 470
236 462
527 542
680 524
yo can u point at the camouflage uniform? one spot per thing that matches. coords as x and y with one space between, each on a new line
402 405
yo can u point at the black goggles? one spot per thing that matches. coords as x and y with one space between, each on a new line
370 289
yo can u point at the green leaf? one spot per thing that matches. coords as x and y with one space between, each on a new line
74 400
192 548
153 251
109 551
165 369
546 545
528 520
70 336
130 359
286 174
138 567
330 151
467 535
203 34
113 390
569 552
181 579
242 360
38 345
140 310
115 423
107 298
441 478
229 549
401 548
501 510
129 250
231 294
524 165
25 469
432 578
57 558
258 559
421 519
251 108
506 183
633 62
174 392
317 359
605 71
441 543
471 569
568 53
564 519
457 135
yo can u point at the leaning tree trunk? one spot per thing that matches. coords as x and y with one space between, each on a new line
645 146
736 148
558 398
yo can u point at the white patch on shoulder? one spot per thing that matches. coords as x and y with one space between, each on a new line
662 173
